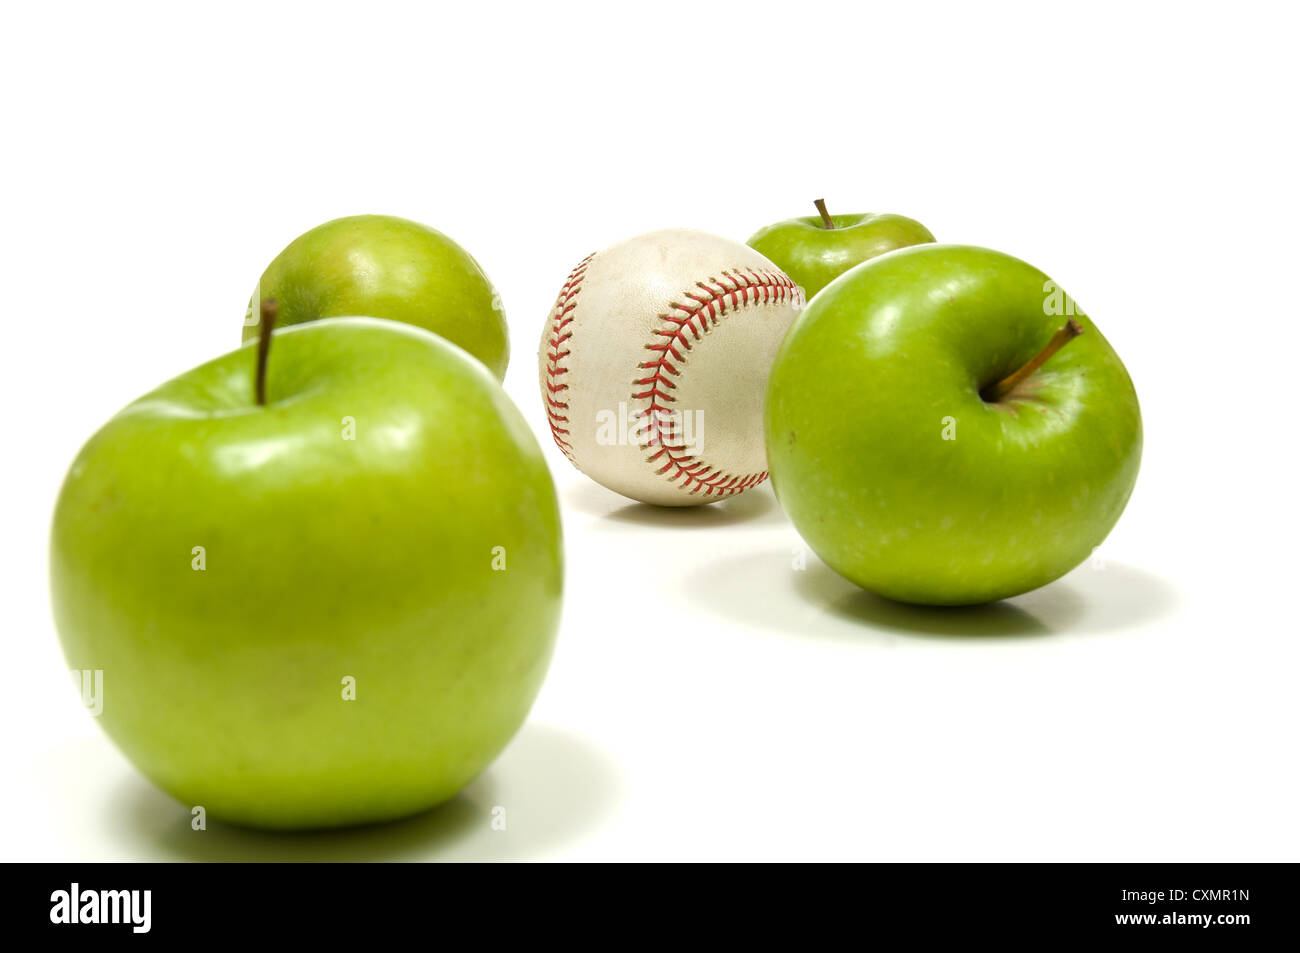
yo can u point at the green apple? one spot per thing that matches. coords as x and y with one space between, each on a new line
935 439
330 609
387 267
815 250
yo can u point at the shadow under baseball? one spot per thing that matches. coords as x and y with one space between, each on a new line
754 507
765 590
554 787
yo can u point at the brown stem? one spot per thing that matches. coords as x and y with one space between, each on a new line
270 308
826 216
1064 335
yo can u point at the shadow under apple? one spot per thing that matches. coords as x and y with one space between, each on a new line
765 589
554 788
842 599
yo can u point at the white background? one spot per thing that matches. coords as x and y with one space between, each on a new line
706 699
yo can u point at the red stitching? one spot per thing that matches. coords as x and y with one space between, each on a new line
712 300
561 317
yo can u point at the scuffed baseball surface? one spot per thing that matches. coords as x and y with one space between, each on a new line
654 362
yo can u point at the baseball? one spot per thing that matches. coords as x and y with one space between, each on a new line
654 363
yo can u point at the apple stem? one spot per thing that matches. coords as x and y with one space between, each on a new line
826 216
270 308
1064 335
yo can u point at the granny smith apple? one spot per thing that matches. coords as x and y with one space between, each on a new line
944 426
332 608
387 267
815 250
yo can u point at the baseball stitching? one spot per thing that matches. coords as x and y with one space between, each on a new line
711 300
557 408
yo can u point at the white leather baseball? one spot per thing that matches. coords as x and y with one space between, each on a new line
654 363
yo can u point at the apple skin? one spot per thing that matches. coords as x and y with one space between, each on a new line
386 267
325 558
856 412
814 255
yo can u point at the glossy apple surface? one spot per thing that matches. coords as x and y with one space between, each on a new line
907 481
387 267
386 517
814 255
